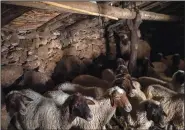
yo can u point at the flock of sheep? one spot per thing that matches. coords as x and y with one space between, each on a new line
152 100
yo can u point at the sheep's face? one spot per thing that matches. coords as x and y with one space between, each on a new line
17 102
122 69
79 107
126 83
120 61
119 98
160 56
155 113
176 59
125 45
179 76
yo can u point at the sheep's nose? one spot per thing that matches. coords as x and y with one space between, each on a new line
128 108
131 94
162 124
89 117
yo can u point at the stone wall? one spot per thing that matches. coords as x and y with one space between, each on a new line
83 39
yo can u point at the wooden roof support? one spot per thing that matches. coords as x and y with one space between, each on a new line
12 13
92 9
52 21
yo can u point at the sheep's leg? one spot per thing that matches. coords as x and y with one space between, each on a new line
118 122
148 92
109 126
14 124
103 128
129 120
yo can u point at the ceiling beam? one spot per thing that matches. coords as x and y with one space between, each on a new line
90 8
12 13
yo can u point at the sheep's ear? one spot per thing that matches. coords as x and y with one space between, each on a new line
151 65
148 106
164 113
90 102
23 103
22 109
117 81
164 57
157 98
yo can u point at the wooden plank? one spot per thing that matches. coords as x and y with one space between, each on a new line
52 21
93 9
12 13
32 19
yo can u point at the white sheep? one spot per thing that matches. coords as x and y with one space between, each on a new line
172 103
103 109
33 111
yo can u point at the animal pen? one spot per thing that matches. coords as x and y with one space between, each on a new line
119 57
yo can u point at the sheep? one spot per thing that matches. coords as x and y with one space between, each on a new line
103 109
70 88
172 103
149 113
91 81
173 63
37 81
4 117
159 67
108 75
67 69
175 83
145 68
142 115
168 60
143 50
33 111
94 92
165 59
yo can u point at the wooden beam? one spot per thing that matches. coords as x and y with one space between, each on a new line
12 13
93 9
52 21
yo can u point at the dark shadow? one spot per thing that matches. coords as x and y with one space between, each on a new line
117 41
26 82
67 69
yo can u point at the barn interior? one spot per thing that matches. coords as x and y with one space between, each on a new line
44 44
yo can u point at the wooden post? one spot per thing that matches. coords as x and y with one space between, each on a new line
94 9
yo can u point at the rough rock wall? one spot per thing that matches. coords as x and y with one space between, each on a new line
83 39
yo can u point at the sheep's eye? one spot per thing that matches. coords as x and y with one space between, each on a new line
77 105
154 112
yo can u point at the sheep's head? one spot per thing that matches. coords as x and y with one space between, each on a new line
118 98
120 61
125 82
160 56
178 77
155 112
147 62
17 102
78 106
176 59
122 69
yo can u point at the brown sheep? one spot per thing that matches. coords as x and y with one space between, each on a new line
175 83
67 69
91 81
